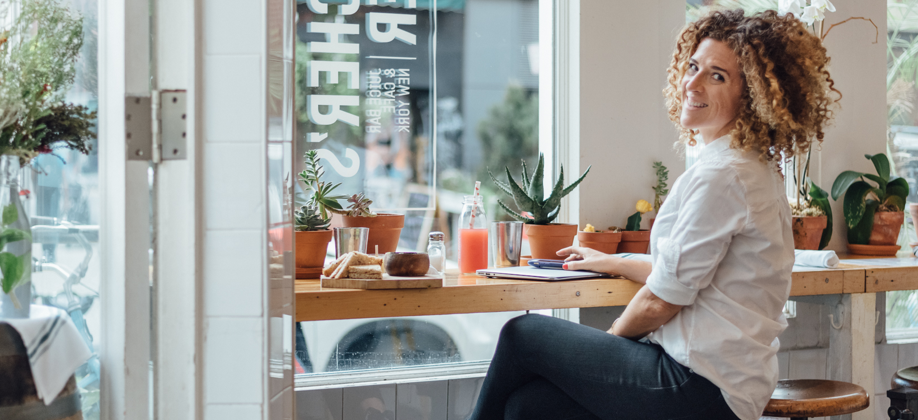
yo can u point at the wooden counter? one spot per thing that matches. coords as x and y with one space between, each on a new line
472 294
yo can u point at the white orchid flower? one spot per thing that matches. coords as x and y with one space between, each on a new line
811 14
794 7
824 5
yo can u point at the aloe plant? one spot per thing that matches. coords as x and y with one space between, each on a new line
530 196
321 196
309 219
862 199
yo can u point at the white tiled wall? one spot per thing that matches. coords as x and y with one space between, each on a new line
248 290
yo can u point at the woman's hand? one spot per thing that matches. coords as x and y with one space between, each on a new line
581 258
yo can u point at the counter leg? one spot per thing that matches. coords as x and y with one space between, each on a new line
851 347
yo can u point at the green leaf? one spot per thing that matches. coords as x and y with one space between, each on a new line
634 222
10 214
897 186
519 196
880 181
843 181
881 163
513 214
860 233
820 199
554 200
576 183
12 271
525 175
503 187
855 203
895 200
537 184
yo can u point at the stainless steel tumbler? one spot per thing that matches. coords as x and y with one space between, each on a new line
349 239
504 242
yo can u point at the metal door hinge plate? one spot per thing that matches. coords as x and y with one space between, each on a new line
156 127
138 127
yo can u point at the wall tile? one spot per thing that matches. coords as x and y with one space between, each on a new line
233 87
887 359
782 365
232 412
908 355
234 360
381 398
424 400
880 403
233 27
233 273
463 394
324 404
234 193
807 364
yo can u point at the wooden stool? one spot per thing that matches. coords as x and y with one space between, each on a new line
803 398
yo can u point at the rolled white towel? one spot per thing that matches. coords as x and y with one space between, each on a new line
817 259
639 257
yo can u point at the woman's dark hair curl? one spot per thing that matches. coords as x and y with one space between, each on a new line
788 96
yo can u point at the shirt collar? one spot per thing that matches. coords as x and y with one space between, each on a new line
715 147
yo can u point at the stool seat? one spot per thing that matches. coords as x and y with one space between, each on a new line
907 377
801 398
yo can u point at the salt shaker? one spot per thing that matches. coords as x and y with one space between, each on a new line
436 251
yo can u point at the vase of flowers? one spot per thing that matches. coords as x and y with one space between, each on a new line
15 244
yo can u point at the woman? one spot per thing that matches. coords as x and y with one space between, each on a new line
699 340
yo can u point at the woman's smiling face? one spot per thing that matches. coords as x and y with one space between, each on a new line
711 90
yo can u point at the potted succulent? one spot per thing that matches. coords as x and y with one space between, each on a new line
661 189
545 237
873 214
311 220
385 228
634 239
605 241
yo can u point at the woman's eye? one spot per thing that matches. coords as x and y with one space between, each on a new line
693 67
719 78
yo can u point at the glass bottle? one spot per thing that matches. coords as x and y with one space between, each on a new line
436 251
473 235
16 255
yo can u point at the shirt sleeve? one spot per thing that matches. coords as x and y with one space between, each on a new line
712 211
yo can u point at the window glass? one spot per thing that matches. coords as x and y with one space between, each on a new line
902 136
61 193
464 99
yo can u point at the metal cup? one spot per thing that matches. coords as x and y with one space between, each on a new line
349 239
504 242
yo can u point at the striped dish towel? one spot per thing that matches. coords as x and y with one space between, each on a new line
55 348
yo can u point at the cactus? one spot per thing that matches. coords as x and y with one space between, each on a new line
309 219
529 197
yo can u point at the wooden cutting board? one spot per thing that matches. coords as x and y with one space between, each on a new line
387 282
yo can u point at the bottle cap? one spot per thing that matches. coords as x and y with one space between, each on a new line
437 236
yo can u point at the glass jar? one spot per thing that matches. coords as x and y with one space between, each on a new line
16 253
473 235
436 251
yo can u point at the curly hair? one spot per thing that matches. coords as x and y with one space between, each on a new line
788 94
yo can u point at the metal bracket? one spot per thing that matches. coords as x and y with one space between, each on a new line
138 126
174 125
156 126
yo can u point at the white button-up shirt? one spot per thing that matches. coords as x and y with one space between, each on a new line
722 246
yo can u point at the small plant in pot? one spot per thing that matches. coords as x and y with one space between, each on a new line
313 219
634 239
545 237
605 241
810 210
384 228
873 213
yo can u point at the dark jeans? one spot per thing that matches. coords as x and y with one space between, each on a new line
552 369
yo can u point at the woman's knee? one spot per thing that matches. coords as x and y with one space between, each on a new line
523 329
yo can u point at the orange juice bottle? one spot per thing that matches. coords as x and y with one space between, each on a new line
473 235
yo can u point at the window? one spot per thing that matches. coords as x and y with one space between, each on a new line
902 143
429 111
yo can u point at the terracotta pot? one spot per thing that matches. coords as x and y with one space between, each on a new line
311 248
385 229
808 231
546 240
886 225
913 211
606 242
635 242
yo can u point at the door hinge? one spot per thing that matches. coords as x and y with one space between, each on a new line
156 126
